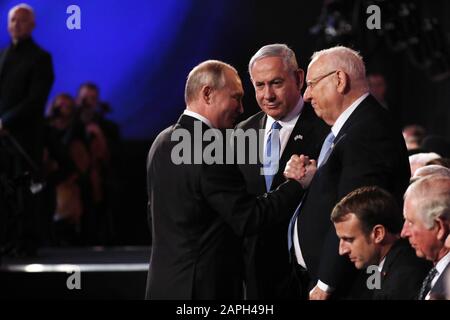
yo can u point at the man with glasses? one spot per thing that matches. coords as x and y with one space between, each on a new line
363 148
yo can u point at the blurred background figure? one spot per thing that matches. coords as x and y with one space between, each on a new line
428 170
419 160
437 144
377 87
413 134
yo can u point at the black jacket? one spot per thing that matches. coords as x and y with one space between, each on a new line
199 214
369 150
26 77
266 254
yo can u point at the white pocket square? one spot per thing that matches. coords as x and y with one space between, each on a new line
299 136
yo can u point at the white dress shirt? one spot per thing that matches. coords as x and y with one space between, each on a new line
287 125
198 117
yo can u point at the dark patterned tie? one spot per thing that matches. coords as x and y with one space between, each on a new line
426 284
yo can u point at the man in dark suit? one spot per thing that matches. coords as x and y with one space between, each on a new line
199 211
368 222
278 81
26 77
364 147
427 212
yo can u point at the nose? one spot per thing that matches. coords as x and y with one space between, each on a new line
405 230
307 95
241 107
268 93
343 249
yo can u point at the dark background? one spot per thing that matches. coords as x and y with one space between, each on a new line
140 52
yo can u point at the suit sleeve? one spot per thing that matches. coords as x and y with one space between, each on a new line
225 191
41 82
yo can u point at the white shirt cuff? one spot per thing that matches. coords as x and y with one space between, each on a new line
324 287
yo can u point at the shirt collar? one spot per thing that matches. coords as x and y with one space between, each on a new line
346 114
381 265
440 266
198 117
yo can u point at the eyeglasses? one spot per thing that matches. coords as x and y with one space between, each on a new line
312 83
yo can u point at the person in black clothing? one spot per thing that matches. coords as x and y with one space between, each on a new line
26 77
368 223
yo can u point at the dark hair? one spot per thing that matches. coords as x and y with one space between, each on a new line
372 206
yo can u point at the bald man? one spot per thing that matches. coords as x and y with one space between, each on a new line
26 77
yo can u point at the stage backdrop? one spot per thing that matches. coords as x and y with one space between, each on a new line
139 52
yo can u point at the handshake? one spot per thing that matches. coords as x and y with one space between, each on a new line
301 169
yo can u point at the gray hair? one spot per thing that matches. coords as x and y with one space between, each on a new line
431 197
208 73
429 170
275 50
21 6
345 59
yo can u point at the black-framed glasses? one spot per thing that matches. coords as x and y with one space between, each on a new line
313 82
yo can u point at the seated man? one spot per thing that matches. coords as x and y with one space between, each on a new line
368 222
427 216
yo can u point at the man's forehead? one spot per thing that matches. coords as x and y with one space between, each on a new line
24 12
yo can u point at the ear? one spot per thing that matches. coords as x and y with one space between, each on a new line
442 229
206 93
343 82
378 233
300 78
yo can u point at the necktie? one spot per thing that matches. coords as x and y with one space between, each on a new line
272 155
426 284
326 149
324 154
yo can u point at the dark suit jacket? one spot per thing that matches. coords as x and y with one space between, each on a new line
199 215
267 258
402 275
369 150
26 77
441 288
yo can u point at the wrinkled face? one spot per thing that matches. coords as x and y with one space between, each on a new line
87 97
423 240
360 248
227 102
277 89
321 91
20 24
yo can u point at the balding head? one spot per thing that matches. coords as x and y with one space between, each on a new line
214 90
20 22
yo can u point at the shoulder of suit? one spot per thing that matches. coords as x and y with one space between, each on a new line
251 122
